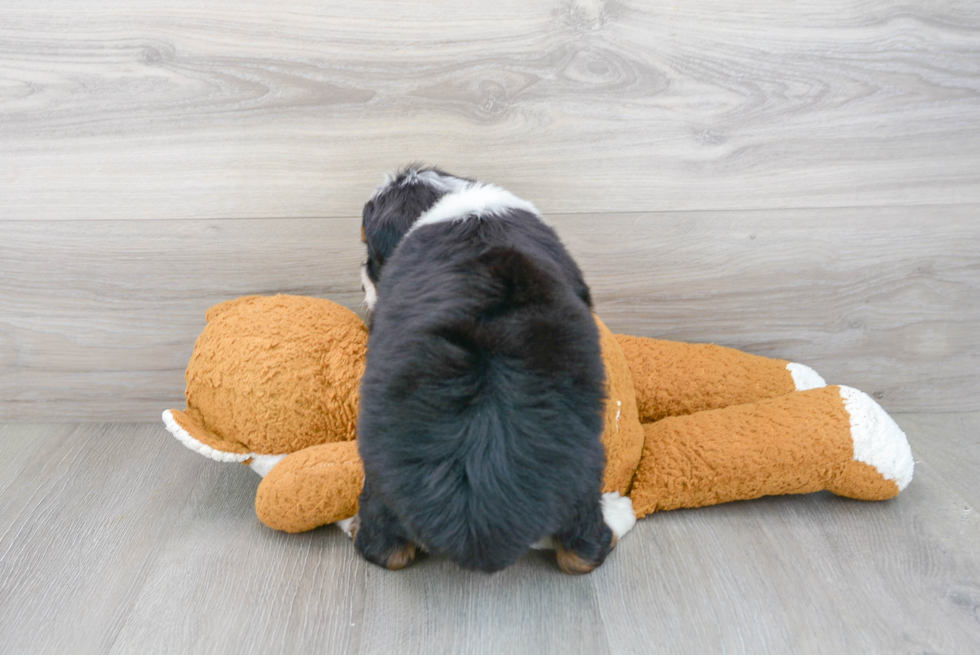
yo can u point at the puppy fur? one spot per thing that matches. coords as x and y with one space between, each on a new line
481 406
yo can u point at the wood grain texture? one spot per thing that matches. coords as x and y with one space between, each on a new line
951 444
807 574
116 539
177 109
98 318
79 526
883 299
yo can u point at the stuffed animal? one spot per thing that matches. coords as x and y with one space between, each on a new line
273 383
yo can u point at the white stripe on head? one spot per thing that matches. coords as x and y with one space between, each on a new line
473 200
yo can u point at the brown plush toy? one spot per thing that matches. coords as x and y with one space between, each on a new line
273 383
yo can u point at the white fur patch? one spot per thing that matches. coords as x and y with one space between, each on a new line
344 524
617 512
200 448
261 464
805 377
544 543
473 200
370 292
878 440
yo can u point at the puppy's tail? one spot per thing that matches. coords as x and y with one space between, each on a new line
517 280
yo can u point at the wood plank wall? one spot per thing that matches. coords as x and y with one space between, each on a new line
798 180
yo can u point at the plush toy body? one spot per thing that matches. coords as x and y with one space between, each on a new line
273 384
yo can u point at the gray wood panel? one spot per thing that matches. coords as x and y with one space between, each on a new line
98 318
883 299
118 539
179 109
951 444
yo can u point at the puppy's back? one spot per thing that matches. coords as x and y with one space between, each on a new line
481 405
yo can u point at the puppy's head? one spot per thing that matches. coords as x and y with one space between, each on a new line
393 208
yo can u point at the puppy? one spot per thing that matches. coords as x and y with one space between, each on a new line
481 407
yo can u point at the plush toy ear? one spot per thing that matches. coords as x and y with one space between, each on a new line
190 431
198 438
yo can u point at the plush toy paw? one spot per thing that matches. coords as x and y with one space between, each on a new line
882 463
832 438
312 487
675 379
804 377
347 526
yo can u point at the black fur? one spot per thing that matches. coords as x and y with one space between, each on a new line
481 407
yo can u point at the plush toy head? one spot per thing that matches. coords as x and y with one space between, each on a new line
273 375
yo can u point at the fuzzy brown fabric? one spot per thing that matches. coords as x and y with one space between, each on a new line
623 434
673 378
277 374
794 444
312 487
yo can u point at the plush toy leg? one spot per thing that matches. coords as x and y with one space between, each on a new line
675 379
833 438
312 487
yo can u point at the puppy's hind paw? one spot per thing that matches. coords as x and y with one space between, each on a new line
401 557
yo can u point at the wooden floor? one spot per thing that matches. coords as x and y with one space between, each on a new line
116 539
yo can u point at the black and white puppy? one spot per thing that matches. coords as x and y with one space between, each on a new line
481 407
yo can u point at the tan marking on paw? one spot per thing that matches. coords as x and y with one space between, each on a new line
571 563
401 558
